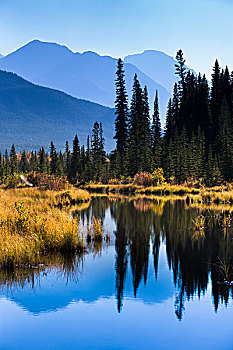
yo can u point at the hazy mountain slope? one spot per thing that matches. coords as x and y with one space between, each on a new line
91 77
87 76
1 56
157 65
32 116
35 58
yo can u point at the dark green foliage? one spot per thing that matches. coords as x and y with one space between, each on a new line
42 161
121 121
54 159
23 165
75 165
196 146
13 161
156 135
97 151
139 151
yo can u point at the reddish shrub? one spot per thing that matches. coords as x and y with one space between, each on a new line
143 179
48 182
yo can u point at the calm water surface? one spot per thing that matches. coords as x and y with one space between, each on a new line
158 284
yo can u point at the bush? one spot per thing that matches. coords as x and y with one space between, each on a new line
143 179
113 182
158 177
126 180
48 182
12 181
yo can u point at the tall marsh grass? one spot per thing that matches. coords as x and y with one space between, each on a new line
32 226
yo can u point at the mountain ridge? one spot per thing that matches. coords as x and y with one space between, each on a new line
31 116
84 75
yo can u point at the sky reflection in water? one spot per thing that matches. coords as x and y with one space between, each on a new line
156 286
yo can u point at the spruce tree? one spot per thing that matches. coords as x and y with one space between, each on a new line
88 164
67 159
54 159
75 160
42 161
23 163
136 113
156 135
121 112
215 101
145 131
13 161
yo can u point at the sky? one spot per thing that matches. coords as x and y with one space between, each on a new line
202 28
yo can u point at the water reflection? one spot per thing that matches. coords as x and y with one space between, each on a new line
192 257
141 230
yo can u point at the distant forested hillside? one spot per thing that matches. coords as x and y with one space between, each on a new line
32 116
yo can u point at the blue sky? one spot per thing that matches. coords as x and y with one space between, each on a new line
202 28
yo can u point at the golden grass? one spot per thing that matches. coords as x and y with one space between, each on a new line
31 225
222 196
131 188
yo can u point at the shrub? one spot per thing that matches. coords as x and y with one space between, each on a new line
158 177
143 179
126 180
48 182
12 181
113 182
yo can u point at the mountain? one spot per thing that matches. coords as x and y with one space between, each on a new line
87 75
32 116
1 56
157 65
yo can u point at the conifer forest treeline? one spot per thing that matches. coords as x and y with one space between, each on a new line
196 144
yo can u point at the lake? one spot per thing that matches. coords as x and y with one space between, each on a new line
162 282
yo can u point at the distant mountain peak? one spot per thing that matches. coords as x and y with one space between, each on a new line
38 44
151 52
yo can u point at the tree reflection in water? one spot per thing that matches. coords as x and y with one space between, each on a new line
195 255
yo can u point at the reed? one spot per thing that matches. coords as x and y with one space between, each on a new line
97 229
32 226
132 188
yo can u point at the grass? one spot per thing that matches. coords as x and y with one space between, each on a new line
131 188
225 270
215 195
31 225
218 197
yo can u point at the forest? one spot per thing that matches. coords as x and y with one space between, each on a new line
195 147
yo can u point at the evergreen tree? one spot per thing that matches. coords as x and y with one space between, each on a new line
60 171
88 164
23 163
96 151
42 161
145 144
75 160
67 159
33 162
121 121
156 134
215 104
54 159
13 161
135 132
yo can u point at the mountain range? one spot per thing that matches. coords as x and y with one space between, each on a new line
32 110
88 75
31 116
